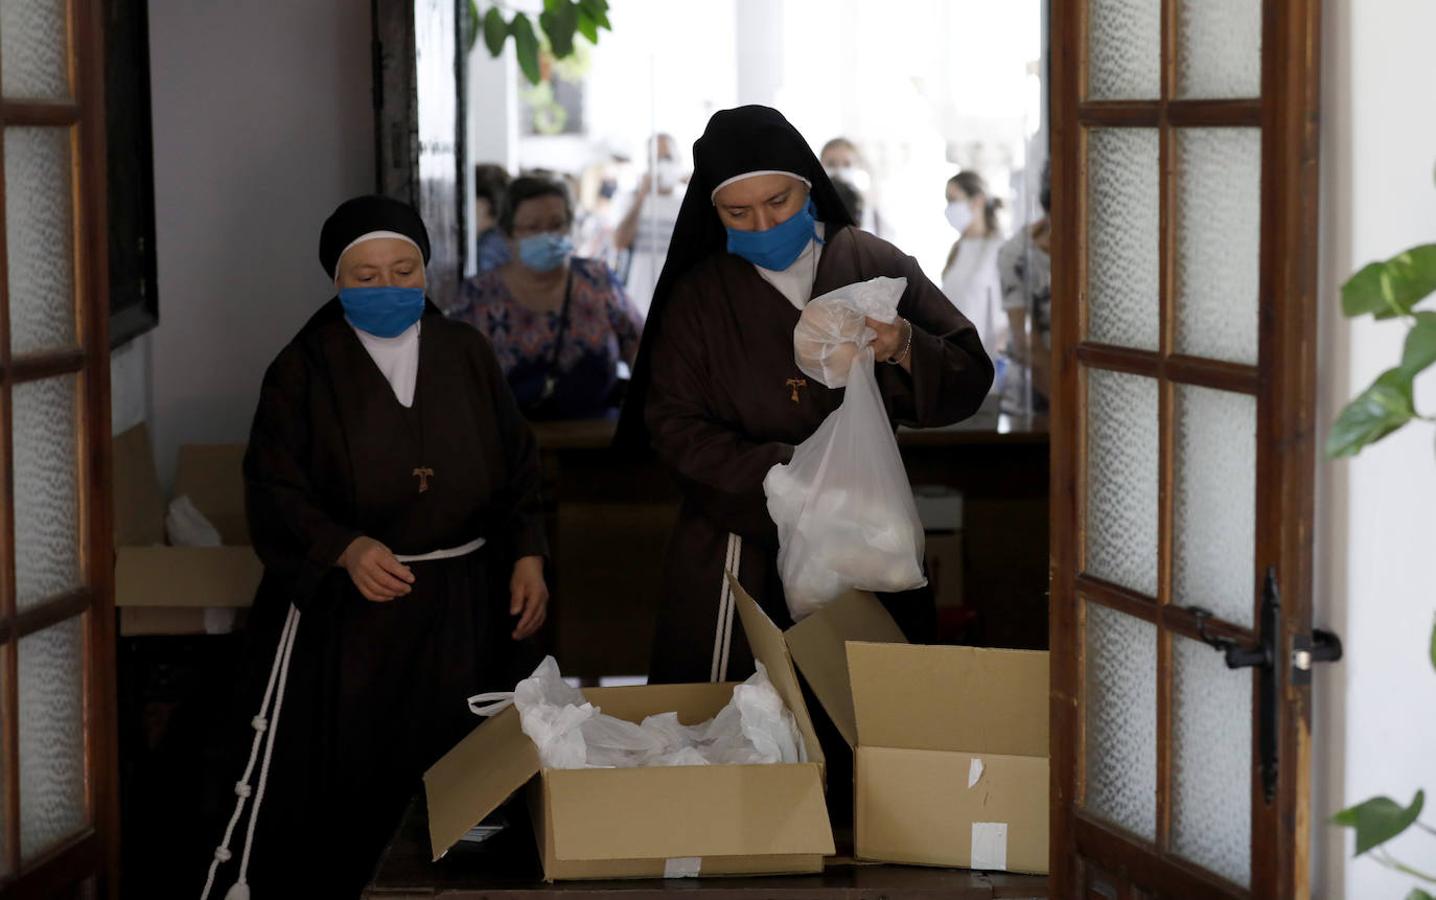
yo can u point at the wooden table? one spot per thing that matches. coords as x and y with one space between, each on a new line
610 516
507 868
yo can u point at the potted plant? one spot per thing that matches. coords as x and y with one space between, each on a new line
1387 290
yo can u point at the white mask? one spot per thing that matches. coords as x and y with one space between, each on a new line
667 175
959 215
858 178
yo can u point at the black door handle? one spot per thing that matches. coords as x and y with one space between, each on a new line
1261 657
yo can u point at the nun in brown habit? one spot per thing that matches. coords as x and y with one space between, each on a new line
392 494
717 394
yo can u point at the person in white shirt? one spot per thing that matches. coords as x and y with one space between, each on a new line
647 227
969 279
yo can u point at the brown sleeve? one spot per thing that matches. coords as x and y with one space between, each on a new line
297 539
951 373
719 467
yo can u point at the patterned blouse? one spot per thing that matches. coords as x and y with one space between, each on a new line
603 329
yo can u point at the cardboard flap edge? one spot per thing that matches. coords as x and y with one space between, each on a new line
770 648
818 646
475 778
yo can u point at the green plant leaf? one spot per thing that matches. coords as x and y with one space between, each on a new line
559 24
1420 349
597 10
587 26
526 46
1378 820
1418 894
495 31
1391 288
1373 414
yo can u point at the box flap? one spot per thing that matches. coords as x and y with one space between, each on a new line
817 644
971 699
476 777
771 649
212 476
139 512
195 577
687 811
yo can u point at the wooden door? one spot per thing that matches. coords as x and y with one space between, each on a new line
1184 189
57 759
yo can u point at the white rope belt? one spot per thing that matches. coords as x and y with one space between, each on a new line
448 553
723 636
266 726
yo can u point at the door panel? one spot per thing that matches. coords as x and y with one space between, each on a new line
1184 164
58 817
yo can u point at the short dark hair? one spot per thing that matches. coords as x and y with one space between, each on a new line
489 183
531 187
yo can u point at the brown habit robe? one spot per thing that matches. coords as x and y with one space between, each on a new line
727 402
376 691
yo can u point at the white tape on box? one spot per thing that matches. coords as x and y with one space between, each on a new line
989 846
683 867
974 772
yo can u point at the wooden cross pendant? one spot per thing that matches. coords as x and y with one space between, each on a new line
423 473
796 383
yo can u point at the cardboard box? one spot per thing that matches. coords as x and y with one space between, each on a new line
648 822
161 589
950 743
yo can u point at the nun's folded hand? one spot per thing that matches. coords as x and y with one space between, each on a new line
892 343
375 572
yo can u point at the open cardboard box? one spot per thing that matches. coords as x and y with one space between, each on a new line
161 589
950 743
648 822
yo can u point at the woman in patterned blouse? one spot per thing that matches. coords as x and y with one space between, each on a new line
559 324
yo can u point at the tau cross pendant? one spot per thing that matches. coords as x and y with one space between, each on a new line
796 383
423 473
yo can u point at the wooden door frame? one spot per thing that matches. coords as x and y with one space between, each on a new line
92 855
1285 388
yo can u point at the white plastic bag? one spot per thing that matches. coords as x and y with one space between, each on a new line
570 733
833 329
843 506
186 526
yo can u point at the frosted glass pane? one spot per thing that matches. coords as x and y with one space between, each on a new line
46 499
1124 50
1218 49
52 737
1122 479
1214 541
34 55
1122 249
39 221
1121 720
1211 761
1218 242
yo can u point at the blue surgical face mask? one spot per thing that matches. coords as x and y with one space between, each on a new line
382 311
779 246
545 252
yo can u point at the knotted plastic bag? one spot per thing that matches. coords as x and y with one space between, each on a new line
843 506
832 329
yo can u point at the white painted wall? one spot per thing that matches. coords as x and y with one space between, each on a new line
1376 542
263 123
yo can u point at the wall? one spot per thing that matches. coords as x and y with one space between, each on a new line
263 123
1375 733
